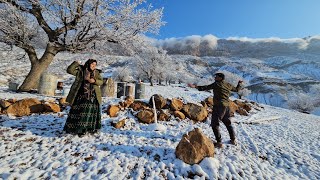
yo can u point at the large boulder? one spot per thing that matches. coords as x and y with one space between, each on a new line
25 107
159 101
195 112
146 116
176 104
194 147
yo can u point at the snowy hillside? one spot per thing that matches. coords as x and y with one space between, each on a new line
274 143
272 80
277 69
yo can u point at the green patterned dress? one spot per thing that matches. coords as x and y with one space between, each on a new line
84 115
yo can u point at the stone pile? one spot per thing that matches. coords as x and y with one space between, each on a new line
175 107
25 107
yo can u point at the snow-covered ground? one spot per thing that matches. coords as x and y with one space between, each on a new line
274 143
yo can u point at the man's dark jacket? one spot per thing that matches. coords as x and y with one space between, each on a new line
221 91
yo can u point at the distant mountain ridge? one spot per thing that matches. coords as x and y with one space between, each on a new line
241 47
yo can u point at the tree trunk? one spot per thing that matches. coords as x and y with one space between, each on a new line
150 79
38 66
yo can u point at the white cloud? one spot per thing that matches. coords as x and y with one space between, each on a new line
212 40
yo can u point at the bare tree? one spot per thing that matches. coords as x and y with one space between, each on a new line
72 25
315 93
122 74
301 102
152 63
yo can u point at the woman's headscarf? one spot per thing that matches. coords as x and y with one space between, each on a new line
88 87
88 62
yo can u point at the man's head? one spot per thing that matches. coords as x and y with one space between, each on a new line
219 77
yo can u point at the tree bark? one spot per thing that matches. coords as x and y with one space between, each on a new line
38 66
151 82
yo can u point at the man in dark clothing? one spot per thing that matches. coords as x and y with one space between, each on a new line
221 110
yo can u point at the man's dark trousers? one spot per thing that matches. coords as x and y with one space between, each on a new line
221 113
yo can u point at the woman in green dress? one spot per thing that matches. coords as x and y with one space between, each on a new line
84 98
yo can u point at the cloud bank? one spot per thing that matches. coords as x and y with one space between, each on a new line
210 45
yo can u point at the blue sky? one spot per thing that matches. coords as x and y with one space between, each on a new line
240 18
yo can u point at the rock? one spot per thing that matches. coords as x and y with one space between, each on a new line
25 107
242 112
209 109
63 101
179 115
176 104
159 101
51 107
146 116
121 105
128 101
204 104
113 110
119 124
194 147
209 101
235 108
195 112
5 103
139 105
163 115
243 105
13 100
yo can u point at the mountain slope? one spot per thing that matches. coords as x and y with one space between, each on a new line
273 143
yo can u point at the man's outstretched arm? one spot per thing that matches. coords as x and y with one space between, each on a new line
202 88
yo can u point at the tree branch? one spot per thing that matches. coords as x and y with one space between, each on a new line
36 11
